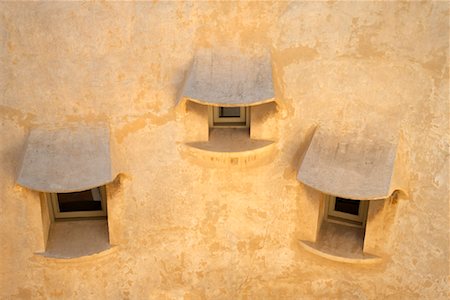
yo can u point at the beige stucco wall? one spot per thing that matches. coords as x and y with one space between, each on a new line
186 231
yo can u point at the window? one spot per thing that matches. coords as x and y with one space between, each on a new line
346 211
229 117
84 204
84 230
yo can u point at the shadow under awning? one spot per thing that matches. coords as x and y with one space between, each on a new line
67 160
352 165
228 79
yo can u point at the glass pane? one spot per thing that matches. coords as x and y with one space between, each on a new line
80 201
230 112
347 206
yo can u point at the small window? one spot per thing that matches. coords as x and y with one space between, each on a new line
78 224
84 204
229 117
347 211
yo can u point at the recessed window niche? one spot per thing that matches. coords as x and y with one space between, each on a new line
79 225
70 168
342 231
357 175
228 106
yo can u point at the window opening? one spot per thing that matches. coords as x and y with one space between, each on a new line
229 117
89 203
347 211
229 112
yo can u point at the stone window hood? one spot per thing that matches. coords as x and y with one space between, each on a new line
352 165
357 165
228 79
67 160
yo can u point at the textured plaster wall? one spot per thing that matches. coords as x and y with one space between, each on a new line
184 231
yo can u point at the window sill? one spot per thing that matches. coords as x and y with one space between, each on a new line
41 258
230 147
77 239
340 243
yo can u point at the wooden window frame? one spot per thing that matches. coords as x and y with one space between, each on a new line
344 218
57 214
215 121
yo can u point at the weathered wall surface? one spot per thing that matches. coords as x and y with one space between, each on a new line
184 231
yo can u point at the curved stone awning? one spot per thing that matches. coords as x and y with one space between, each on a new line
67 160
351 165
228 79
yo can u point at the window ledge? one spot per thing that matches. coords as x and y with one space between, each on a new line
205 154
77 239
232 147
42 258
340 243
227 147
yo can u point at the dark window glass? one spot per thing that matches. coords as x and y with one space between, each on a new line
347 206
230 112
80 201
